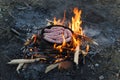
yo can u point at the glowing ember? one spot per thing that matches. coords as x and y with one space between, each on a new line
34 37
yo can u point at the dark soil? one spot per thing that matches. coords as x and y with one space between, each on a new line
101 21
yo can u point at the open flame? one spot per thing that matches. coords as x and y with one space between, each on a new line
75 26
78 38
59 21
60 47
78 41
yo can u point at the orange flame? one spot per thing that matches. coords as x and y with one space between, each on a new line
76 22
75 42
59 21
87 48
60 47
75 26
34 37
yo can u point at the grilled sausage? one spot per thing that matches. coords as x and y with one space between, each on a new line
54 34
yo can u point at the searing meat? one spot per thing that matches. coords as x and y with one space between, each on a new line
55 34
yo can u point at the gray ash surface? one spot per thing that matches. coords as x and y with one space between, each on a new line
102 23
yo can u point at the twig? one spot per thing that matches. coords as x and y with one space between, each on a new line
89 39
51 67
15 31
11 15
18 35
27 5
22 39
2 28
19 67
76 55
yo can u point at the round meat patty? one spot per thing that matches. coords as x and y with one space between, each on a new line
55 34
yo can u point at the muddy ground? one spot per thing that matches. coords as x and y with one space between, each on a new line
101 22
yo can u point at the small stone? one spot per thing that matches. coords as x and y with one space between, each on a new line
6 19
1 15
96 65
117 75
89 65
118 50
101 77
92 67
119 71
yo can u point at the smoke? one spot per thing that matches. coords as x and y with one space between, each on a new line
98 35
91 32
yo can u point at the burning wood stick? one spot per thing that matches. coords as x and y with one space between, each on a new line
18 61
76 55
51 67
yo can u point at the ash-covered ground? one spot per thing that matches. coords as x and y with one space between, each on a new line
101 20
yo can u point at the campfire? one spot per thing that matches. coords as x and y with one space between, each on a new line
59 44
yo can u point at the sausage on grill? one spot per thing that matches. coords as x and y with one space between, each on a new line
55 34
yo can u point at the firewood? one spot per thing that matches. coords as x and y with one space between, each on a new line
51 67
76 55
19 67
18 61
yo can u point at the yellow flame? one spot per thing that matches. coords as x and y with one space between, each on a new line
59 21
60 47
75 42
75 26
